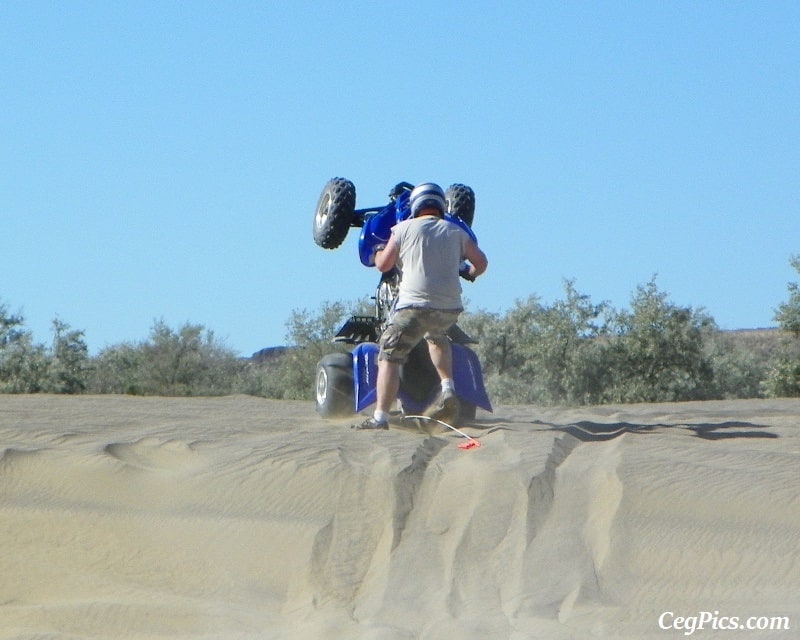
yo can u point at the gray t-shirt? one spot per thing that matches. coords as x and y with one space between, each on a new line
431 251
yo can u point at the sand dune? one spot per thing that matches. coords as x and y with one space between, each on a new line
125 517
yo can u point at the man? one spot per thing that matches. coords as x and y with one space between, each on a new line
429 251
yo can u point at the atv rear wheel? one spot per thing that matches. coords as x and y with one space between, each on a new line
334 214
461 202
334 394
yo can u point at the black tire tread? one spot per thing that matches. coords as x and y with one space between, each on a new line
461 202
333 230
339 401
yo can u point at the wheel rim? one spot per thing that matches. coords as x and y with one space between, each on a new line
323 210
322 386
383 301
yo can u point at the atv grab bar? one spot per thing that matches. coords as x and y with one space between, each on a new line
360 215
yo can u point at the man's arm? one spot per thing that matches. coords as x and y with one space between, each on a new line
477 259
386 258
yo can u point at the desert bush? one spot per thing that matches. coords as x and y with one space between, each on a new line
782 379
186 361
739 363
788 314
656 353
69 360
783 376
573 351
291 375
577 352
24 365
29 367
542 353
570 348
117 369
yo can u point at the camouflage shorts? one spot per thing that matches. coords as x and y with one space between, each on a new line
409 326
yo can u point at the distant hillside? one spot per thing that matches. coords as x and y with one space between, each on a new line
268 354
763 343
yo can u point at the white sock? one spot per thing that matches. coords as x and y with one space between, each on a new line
380 416
447 385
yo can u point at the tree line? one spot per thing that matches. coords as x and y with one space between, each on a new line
573 351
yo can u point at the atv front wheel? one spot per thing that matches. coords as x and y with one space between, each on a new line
335 395
334 214
461 202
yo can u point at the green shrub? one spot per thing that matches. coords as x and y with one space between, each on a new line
291 375
186 361
69 361
24 366
783 377
657 351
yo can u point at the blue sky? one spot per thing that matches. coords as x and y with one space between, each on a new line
162 160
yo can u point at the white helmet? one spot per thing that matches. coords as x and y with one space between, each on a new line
427 195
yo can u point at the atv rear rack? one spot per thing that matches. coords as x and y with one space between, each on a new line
358 329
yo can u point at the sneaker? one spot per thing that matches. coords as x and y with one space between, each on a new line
445 408
370 424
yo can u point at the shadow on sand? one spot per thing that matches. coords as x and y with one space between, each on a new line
587 431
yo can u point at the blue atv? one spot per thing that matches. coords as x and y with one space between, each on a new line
346 382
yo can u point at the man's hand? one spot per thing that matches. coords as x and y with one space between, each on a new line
385 256
375 249
464 272
477 259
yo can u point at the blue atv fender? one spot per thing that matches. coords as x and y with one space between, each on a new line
378 228
467 378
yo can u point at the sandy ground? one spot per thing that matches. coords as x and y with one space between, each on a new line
125 517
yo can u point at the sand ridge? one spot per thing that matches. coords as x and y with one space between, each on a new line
238 517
